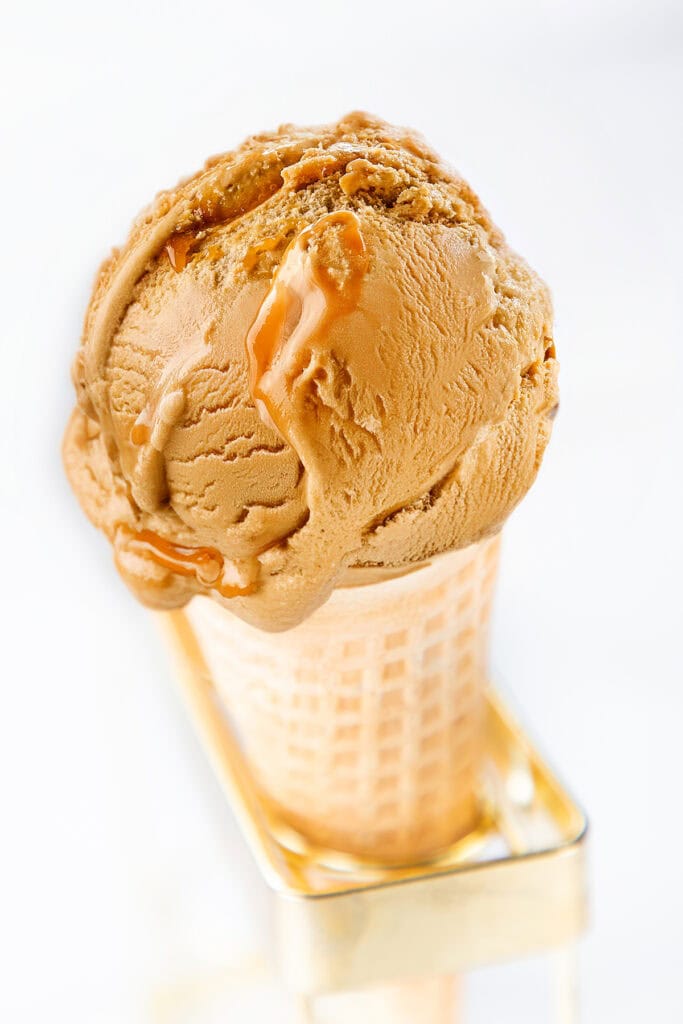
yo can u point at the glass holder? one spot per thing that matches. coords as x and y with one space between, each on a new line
516 886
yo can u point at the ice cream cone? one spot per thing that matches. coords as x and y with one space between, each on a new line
362 724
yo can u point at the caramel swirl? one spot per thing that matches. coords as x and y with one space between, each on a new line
205 564
305 297
178 249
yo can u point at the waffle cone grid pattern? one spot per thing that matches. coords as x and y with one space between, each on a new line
363 725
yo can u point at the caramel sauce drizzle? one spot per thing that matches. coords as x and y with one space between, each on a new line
178 249
304 299
141 431
203 563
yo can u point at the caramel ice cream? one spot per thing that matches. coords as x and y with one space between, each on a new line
312 363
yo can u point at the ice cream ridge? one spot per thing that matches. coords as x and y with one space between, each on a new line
315 362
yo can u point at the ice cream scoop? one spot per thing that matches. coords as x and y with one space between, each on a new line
314 362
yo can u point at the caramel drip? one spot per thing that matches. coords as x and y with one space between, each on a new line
205 564
178 249
304 299
215 253
141 431
214 204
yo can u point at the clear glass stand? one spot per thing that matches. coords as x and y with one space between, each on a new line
358 941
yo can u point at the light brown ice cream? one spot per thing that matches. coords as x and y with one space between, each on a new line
315 357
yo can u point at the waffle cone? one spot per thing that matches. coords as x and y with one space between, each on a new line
363 724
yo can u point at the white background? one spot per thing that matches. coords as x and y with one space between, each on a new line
125 894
